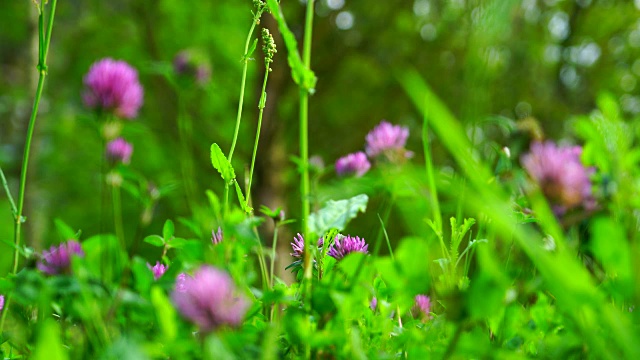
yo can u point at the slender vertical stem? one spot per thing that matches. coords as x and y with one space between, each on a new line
117 215
263 99
43 50
435 204
245 61
304 149
186 164
274 245
23 172
14 211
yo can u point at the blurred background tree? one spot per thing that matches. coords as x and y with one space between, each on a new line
503 66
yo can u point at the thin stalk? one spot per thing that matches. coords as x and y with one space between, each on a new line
435 204
304 150
274 245
117 215
386 236
245 61
304 157
45 40
263 100
43 49
186 164
261 261
14 211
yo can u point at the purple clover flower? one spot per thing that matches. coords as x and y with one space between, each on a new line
1 302
216 237
113 85
387 139
356 163
158 269
191 64
373 305
421 307
348 244
298 246
563 178
119 150
58 258
209 299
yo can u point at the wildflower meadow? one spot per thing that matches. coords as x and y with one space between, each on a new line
319 179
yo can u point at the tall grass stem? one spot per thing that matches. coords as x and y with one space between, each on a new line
261 106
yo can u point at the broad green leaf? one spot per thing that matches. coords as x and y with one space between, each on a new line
336 214
65 231
610 246
168 230
154 240
220 163
166 313
49 346
301 75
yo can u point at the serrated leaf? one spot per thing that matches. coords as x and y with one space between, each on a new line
243 203
154 240
336 214
168 230
220 163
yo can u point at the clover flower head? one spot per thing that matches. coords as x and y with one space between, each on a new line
158 269
348 244
1 302
113 85
387 138
209 299
373 305
562 177
119 150
422 306
356 163
57 259
298 245
216 237
193 65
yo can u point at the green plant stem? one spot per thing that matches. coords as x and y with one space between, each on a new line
304 150
43 49
435 204
14 211
117 215
261 106
45 40
185 131
274 244
245 65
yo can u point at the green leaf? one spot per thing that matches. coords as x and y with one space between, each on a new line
251 49
243 203
49 346
166 313
154 240
65 231
300 73
168 230
177 243
220 163
610 246
336 214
